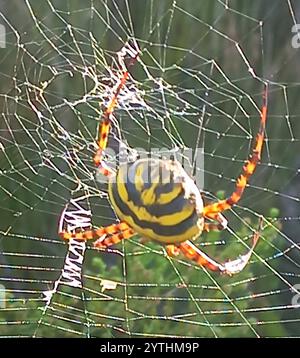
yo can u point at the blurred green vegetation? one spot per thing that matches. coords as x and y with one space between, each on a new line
166 304
32 200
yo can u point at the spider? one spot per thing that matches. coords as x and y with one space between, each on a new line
157 199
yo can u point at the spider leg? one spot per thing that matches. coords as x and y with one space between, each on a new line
172 250
105 128
220 225
248 169
190 251
106 236
113 234
79 235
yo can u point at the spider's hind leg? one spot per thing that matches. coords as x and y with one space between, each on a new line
191 252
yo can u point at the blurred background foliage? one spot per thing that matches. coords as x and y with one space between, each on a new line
32 200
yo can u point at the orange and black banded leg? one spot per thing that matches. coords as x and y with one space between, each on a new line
104 129
210 210
106 236
220 223
191 252
113 234
172 250
83 235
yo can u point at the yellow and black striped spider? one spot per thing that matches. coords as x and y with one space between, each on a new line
156 198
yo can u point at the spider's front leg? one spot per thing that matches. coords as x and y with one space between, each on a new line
191 252
76 224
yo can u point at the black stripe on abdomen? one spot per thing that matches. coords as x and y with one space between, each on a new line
158 229
175 206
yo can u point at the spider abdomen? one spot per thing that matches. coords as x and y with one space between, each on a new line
158 200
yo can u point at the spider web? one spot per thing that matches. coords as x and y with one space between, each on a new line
198 84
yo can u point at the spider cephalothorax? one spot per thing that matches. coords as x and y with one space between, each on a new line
157 199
